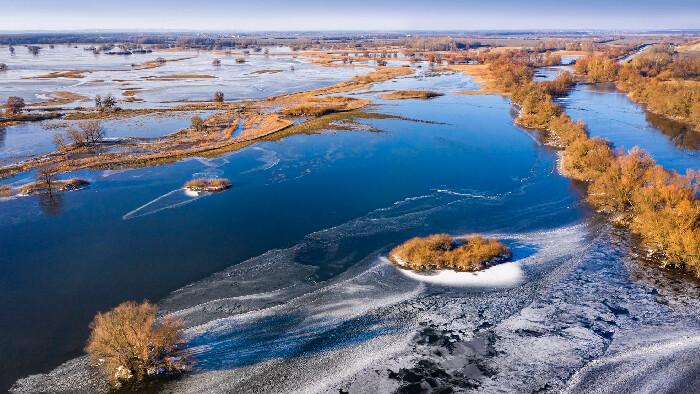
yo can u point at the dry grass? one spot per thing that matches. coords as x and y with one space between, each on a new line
62 74
441 251
61 98
209 185
267 71
7 191
218 135
182 76
410 94
159 63
57 186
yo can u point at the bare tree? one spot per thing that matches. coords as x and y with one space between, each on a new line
98 102
3 66
109 102
219 97
12 50
93 131
14 105
87 133
59 140
197 123
33 49
46 176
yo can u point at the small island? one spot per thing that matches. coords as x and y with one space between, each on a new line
47 186
410 94
207 185
442 251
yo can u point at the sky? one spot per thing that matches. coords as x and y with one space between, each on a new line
304 15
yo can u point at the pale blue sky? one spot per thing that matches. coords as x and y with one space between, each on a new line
235 15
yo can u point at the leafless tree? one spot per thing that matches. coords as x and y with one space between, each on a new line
93 131
46 176
109 102
219 97
14 105
59 140
197 123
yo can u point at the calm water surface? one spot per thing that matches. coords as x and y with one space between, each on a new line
295 247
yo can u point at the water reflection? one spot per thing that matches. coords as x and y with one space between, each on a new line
680 133
51 204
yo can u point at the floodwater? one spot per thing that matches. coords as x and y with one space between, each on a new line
285 286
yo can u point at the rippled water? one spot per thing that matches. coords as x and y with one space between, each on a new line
297 294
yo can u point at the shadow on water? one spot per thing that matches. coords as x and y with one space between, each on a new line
237 344
51 204
680 133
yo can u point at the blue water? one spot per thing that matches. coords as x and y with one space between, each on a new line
304 211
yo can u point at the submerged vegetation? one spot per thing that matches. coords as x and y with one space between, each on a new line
441 251
128 345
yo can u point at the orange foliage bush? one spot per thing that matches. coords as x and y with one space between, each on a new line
128 345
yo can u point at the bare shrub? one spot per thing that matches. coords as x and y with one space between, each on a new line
14 105
219 97
216 62
197 123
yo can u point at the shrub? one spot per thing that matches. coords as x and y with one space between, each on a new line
128 345
86 133
216 62
197 123
3 66
219 97
14 105
613 190
441 251
587 159
240 60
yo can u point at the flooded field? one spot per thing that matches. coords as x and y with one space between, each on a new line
283 280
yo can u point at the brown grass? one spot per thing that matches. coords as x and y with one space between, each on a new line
182 76
7 191
410 94
62 74
57 186
210 185
267 71
441 251
61 98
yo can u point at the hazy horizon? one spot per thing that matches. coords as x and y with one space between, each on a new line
360 15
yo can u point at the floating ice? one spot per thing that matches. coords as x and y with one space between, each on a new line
173 199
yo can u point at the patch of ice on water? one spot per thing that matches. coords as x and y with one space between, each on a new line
498 276
173 199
